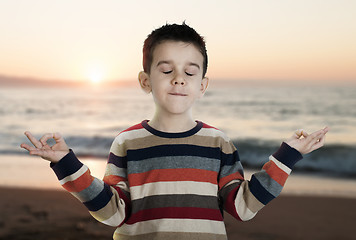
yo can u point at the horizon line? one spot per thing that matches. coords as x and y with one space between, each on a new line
8 81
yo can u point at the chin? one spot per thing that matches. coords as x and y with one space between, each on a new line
178 110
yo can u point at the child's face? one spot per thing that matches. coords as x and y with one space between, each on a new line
176 77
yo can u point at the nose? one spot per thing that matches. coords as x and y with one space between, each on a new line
178 80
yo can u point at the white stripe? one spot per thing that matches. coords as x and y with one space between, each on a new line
173 225
111 169
212 132
180 187
128 135
280 165
123 185
75 175
231 182
113 213
117 218
241 208
122 137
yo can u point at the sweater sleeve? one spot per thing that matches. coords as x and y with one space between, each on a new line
244 198
107 200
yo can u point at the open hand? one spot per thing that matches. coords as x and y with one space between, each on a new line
41 148
306 143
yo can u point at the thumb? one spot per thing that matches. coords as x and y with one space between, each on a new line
58 137
297 134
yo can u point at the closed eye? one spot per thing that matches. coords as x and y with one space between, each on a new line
189 74
167 72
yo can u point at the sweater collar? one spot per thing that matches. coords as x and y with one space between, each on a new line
188 133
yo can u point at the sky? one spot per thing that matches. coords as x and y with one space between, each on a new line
85 40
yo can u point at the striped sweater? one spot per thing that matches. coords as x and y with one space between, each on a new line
161 185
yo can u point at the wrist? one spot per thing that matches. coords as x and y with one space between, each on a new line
288 155
68 165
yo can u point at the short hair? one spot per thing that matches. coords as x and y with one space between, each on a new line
173 32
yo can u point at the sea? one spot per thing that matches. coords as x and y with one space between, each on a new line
257 117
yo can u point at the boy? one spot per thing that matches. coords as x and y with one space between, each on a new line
171 177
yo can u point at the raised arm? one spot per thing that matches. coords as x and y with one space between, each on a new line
106 202
244 198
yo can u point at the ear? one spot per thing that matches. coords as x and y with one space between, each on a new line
144 80
204 85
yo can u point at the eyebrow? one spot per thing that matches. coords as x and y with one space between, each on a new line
170 62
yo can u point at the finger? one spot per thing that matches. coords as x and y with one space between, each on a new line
322 139
305 134
33 140
326 129
315 138
45 138
316 146
319 144
318 134
38 152
297 134
27 147
58 137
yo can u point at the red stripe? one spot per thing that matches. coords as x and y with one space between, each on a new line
176 212
127 204
180 174
223 181
208 126
229 205
275 172
135 127
113 179
80 183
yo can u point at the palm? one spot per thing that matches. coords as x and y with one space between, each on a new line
51 153
306 143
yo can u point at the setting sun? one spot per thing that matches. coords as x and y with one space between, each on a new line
96 74
95 77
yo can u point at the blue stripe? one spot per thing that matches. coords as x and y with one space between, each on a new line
68 165
90 192
229 159
101 200
227 170
173 150
259 191
120 162
287 155
269 183
172 135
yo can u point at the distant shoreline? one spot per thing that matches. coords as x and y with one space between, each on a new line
40 176
9 81
16 81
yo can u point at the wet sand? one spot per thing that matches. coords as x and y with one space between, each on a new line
55 214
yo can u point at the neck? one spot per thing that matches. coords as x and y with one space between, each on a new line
172 123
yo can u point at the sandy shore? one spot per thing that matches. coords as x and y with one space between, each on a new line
310 207
55 214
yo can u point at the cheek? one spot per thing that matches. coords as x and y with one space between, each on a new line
197 87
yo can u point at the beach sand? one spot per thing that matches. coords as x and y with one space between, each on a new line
34 206
55 214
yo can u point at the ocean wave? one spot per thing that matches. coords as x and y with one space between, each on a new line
332 159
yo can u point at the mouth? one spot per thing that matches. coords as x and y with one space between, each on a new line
178 94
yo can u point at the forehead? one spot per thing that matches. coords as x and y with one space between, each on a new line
177 51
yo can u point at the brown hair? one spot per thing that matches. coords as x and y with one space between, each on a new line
173 32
